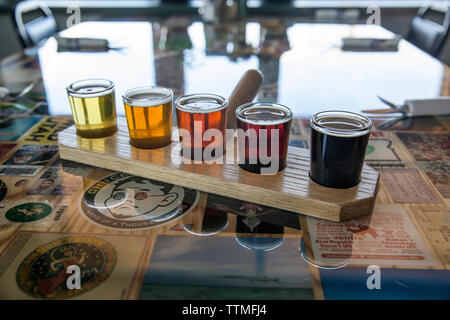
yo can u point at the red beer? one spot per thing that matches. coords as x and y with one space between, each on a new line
197 113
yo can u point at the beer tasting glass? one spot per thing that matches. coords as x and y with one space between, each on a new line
149 116
196 114
338 145
266 127
93 107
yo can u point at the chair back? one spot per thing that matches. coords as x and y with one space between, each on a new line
32 32
428 34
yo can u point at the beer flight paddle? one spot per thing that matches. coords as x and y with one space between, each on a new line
236 162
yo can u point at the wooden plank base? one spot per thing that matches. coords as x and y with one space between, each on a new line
290 189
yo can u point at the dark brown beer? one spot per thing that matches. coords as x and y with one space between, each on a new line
338 146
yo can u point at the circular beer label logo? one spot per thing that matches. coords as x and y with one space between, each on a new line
43 273
123 201
3 190
28 212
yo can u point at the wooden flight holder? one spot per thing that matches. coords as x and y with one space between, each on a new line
290 189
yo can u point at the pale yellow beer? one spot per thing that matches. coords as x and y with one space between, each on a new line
93 107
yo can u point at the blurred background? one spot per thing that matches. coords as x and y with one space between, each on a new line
397 15
314 54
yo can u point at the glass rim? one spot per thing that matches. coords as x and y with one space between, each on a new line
365 129
278 106
223 102
107 89
147 102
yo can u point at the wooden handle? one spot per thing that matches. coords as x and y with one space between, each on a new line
245 91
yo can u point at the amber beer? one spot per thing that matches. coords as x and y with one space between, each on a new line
197 113
149 116
93 107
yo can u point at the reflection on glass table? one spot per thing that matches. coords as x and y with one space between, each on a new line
304 67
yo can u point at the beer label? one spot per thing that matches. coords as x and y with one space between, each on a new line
407 185
438 173
28 160
435 223
47 130
43 273
123 201
387 238
28 212
36 265
427 146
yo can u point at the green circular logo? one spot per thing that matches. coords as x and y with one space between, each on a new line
28 212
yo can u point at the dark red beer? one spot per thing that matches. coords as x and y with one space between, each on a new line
260 121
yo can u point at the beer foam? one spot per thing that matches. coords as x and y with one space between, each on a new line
147 96
341 124
90 88
264 114
201 103
201 107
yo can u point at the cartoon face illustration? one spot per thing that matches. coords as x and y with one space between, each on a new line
134 196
